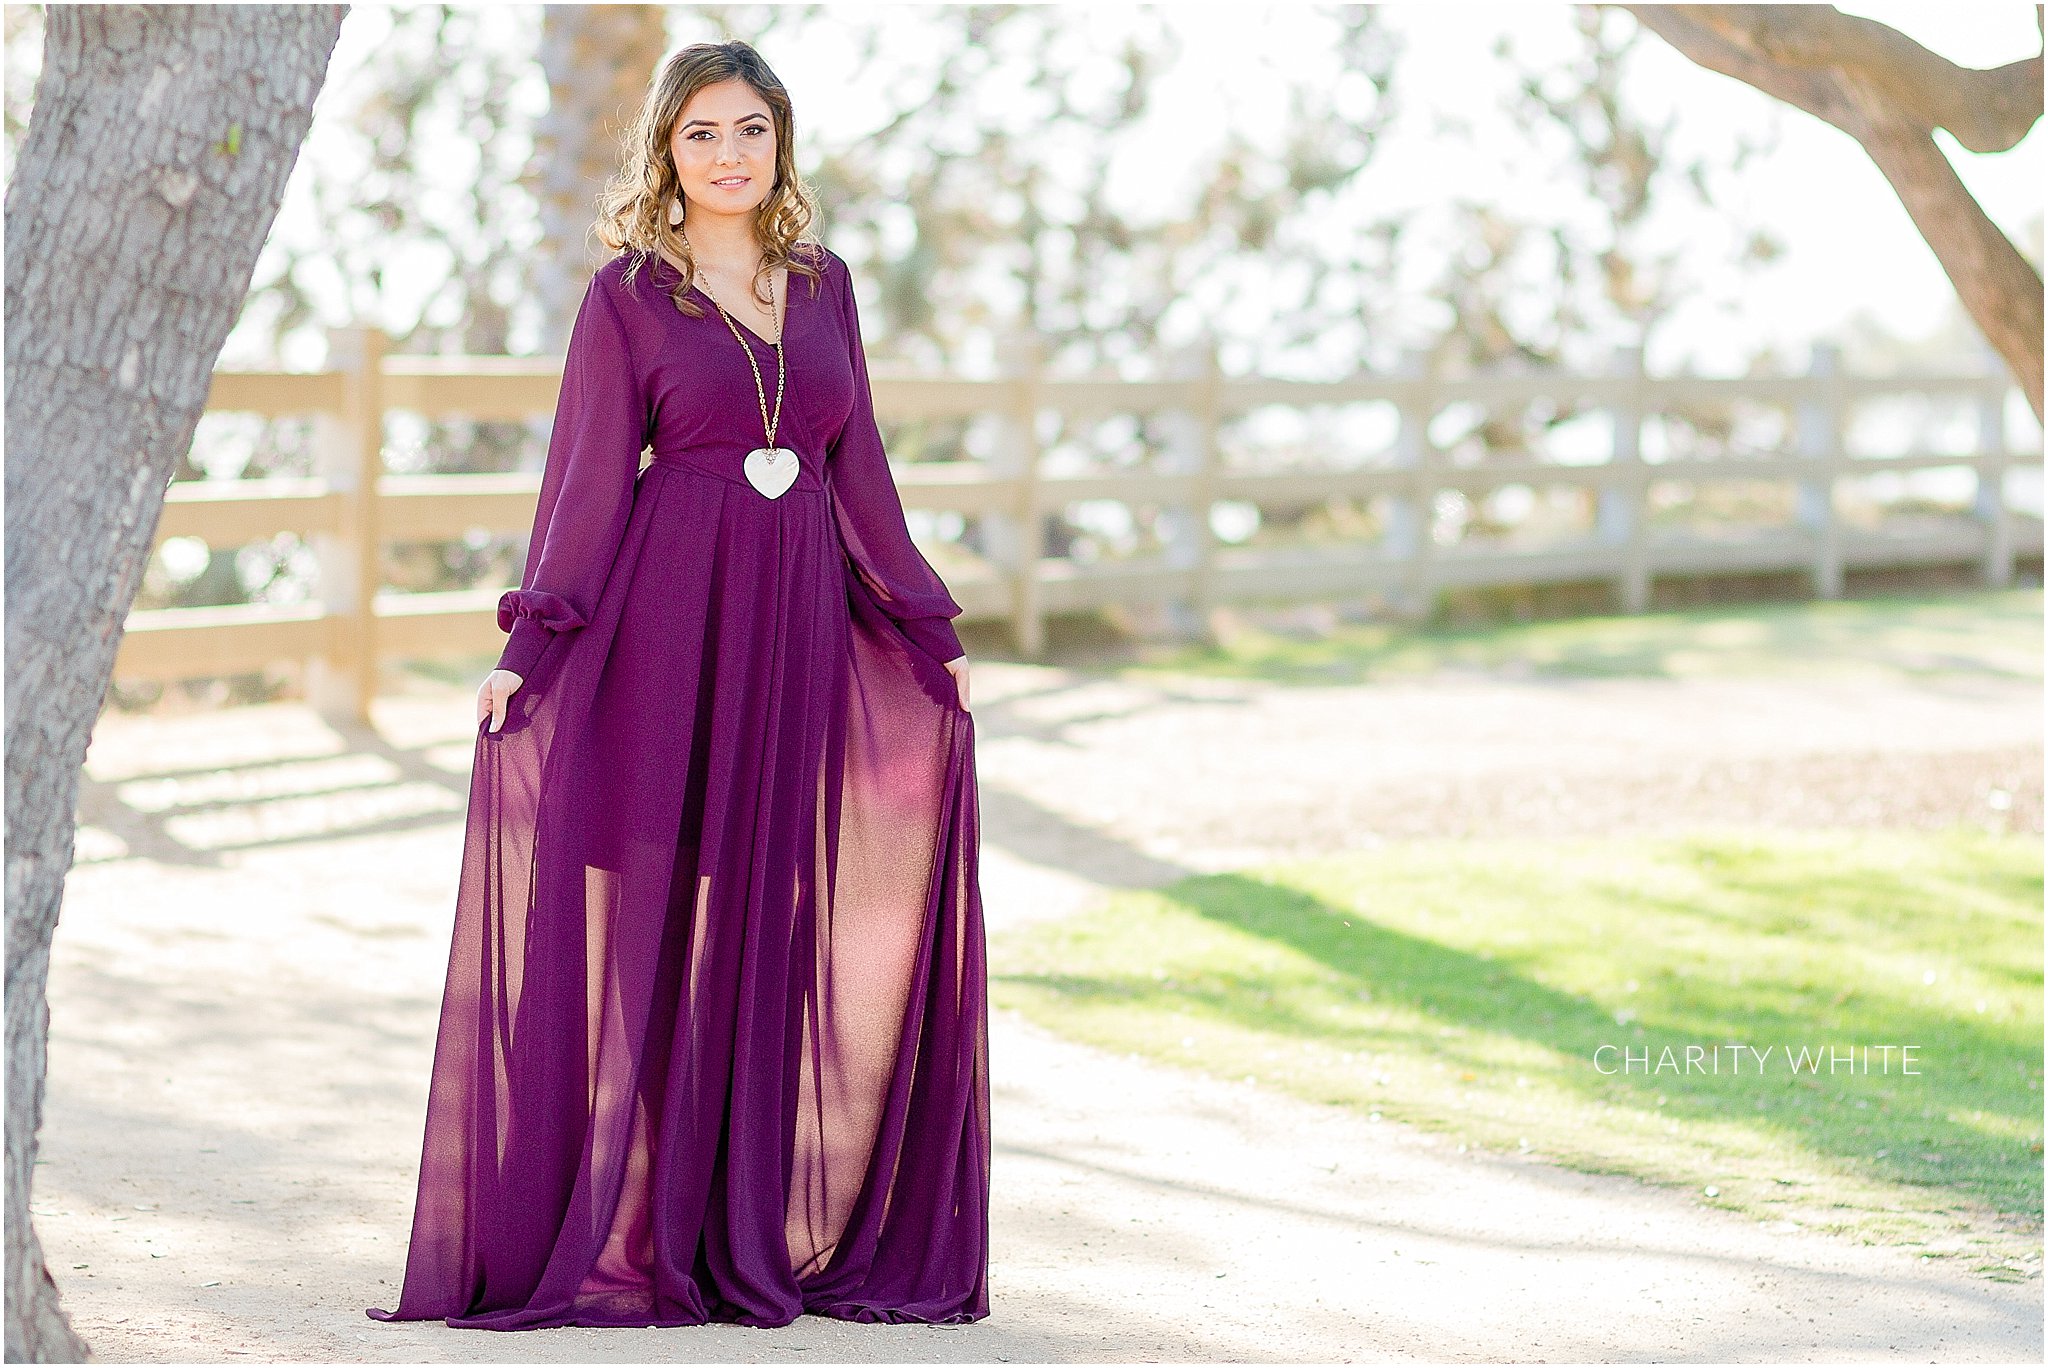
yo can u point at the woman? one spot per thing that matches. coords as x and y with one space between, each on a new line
713 1045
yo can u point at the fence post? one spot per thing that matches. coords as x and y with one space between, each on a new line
1188 447
349 453
1411 516
1820 426
1622 517
1015 540
1209 413
1989 505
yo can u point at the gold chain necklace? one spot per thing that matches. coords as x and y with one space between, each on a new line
766 468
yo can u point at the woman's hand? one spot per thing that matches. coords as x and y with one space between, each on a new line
958 668
498 686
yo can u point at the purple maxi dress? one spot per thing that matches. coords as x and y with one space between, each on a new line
714 1039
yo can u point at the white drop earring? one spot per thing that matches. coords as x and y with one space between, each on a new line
675 212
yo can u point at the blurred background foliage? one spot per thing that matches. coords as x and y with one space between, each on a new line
976 164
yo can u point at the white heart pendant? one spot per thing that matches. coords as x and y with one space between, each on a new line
772 470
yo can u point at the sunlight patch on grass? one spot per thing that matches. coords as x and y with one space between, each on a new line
1995 633
1469 988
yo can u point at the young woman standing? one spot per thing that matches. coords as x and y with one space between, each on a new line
713 1044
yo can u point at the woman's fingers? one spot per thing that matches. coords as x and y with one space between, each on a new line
498 686
959 672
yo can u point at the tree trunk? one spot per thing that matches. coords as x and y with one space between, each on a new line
599 61
155 159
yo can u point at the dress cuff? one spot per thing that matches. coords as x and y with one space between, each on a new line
934 635
553 611
522 650
533 617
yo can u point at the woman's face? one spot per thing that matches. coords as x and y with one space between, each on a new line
724 150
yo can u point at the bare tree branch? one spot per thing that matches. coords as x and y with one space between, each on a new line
1890 94
1985 111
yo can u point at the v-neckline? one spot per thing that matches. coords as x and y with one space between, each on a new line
783 332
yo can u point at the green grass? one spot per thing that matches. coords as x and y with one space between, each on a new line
1991 633
1466 987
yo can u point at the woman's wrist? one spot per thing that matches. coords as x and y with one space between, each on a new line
528 638
935 636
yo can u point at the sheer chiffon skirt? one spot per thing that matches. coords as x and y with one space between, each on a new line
713 1042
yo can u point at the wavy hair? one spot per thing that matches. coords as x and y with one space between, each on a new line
634 205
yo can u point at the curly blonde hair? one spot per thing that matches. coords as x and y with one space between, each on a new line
633 207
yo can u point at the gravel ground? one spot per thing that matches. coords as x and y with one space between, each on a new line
1215 774
247 972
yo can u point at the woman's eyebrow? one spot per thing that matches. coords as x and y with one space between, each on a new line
714 123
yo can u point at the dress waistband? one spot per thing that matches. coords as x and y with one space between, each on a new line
726 463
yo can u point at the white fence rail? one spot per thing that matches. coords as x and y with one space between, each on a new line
353 507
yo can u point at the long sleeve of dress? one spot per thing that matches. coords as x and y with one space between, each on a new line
869 513
586 491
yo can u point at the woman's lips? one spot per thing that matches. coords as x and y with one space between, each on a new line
731 182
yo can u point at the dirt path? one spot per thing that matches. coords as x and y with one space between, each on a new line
249 963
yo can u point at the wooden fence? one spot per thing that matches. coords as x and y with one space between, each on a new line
350 508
